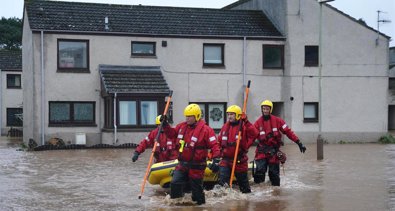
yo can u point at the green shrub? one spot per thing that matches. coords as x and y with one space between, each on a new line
387 139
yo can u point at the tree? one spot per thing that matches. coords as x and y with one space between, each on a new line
10 33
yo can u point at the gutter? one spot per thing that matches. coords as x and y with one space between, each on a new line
162 35
42 89
244 63
115 118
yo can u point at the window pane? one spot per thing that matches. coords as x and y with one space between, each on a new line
310 111
203 109
13 81
216 115
311 55
127 113
391 83
143 48
83 111
73 54
149 111
14 117
213 55
59 112
272 57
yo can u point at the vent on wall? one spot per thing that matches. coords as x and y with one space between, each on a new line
80 138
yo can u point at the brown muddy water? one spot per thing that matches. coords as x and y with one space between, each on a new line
351 177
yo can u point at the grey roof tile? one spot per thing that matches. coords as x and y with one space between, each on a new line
10 60
133 79
152 20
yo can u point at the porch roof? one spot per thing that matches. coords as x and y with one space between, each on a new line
133 79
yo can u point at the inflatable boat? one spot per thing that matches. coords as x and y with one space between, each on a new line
161 174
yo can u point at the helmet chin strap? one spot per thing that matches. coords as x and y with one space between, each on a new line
236 122
266 117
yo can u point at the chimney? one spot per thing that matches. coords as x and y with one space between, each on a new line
106 23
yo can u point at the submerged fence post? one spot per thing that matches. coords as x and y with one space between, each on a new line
320 148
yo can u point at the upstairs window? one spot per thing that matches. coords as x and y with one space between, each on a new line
273 56
213 54
13 81
391 83
73 55
310 112
143 48
311 56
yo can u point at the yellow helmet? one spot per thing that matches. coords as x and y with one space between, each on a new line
234 109
157 121
267 103
193 110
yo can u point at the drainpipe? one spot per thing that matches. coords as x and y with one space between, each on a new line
1 101
115 118
42 90
244 62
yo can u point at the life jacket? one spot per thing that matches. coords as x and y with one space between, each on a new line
193 144
227 144
164 145
270 138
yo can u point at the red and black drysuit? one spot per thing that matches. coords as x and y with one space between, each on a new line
166 149
192 160
266 154
228 138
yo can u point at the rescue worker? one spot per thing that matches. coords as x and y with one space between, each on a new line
195 138
227 139
267 153
165 150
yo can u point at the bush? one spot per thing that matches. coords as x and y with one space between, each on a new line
387 139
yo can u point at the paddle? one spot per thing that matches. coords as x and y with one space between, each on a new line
239 134
155 144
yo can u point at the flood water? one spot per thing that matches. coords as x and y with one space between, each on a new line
351 177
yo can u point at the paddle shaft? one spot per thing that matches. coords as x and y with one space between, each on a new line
155 144
239 134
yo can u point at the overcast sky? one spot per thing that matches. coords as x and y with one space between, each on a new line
365 9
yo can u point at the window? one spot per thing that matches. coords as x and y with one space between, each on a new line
14 117
72 113
311 56
273 56
391 83
214 114
213 55
310 112
143 49
128 111
137 112
73 55
13 81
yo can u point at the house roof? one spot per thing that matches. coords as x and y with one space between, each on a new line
133 79
151 20
10 60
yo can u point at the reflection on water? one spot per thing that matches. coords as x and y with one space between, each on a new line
351 177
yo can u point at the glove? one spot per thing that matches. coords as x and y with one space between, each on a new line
302 148
214 167
244 118
163 118
135 156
